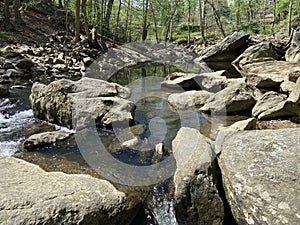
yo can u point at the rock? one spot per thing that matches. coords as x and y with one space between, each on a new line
14 73
24 63
2 61
293 76
127 138
213 81
272 105
90 99
4 91
29 195
293 53
227 50
196 197
37 128
295 94
189 99
61 67
248 124
8 65
287 86
45 139
235 98
262 80
87 61
276 71
57 61
260 176
224 132
257 53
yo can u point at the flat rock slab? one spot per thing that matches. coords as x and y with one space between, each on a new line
260 172
29 195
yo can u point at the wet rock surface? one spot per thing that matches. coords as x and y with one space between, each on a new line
44 139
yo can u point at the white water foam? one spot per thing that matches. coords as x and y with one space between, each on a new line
10 130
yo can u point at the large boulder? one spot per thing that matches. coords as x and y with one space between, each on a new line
268 73
260 171
293 53
257 53
235 98
189 99
227 50
211 81
90 99
196 198
29 195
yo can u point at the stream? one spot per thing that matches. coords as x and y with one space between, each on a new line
160 121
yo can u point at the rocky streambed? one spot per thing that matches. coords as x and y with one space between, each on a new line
173 116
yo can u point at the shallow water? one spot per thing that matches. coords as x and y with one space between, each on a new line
152 109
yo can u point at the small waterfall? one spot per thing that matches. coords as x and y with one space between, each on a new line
163 210
11 126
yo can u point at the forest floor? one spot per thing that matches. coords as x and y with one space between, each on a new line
38 26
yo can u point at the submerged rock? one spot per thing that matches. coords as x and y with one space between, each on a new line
261 176
87 100
29 195
196 198
45 138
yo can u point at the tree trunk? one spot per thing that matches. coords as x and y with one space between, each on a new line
108 14
189 21
201 17
217 18
154 20
77 21
60 5
290 17
145 27
238 16
86 23
18 19
127 20
250 13
118 20
274 13
6 14
264 15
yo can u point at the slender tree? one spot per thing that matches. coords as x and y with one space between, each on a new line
77 21
202 20
6 13
290 17
145 16
108 14
18 18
